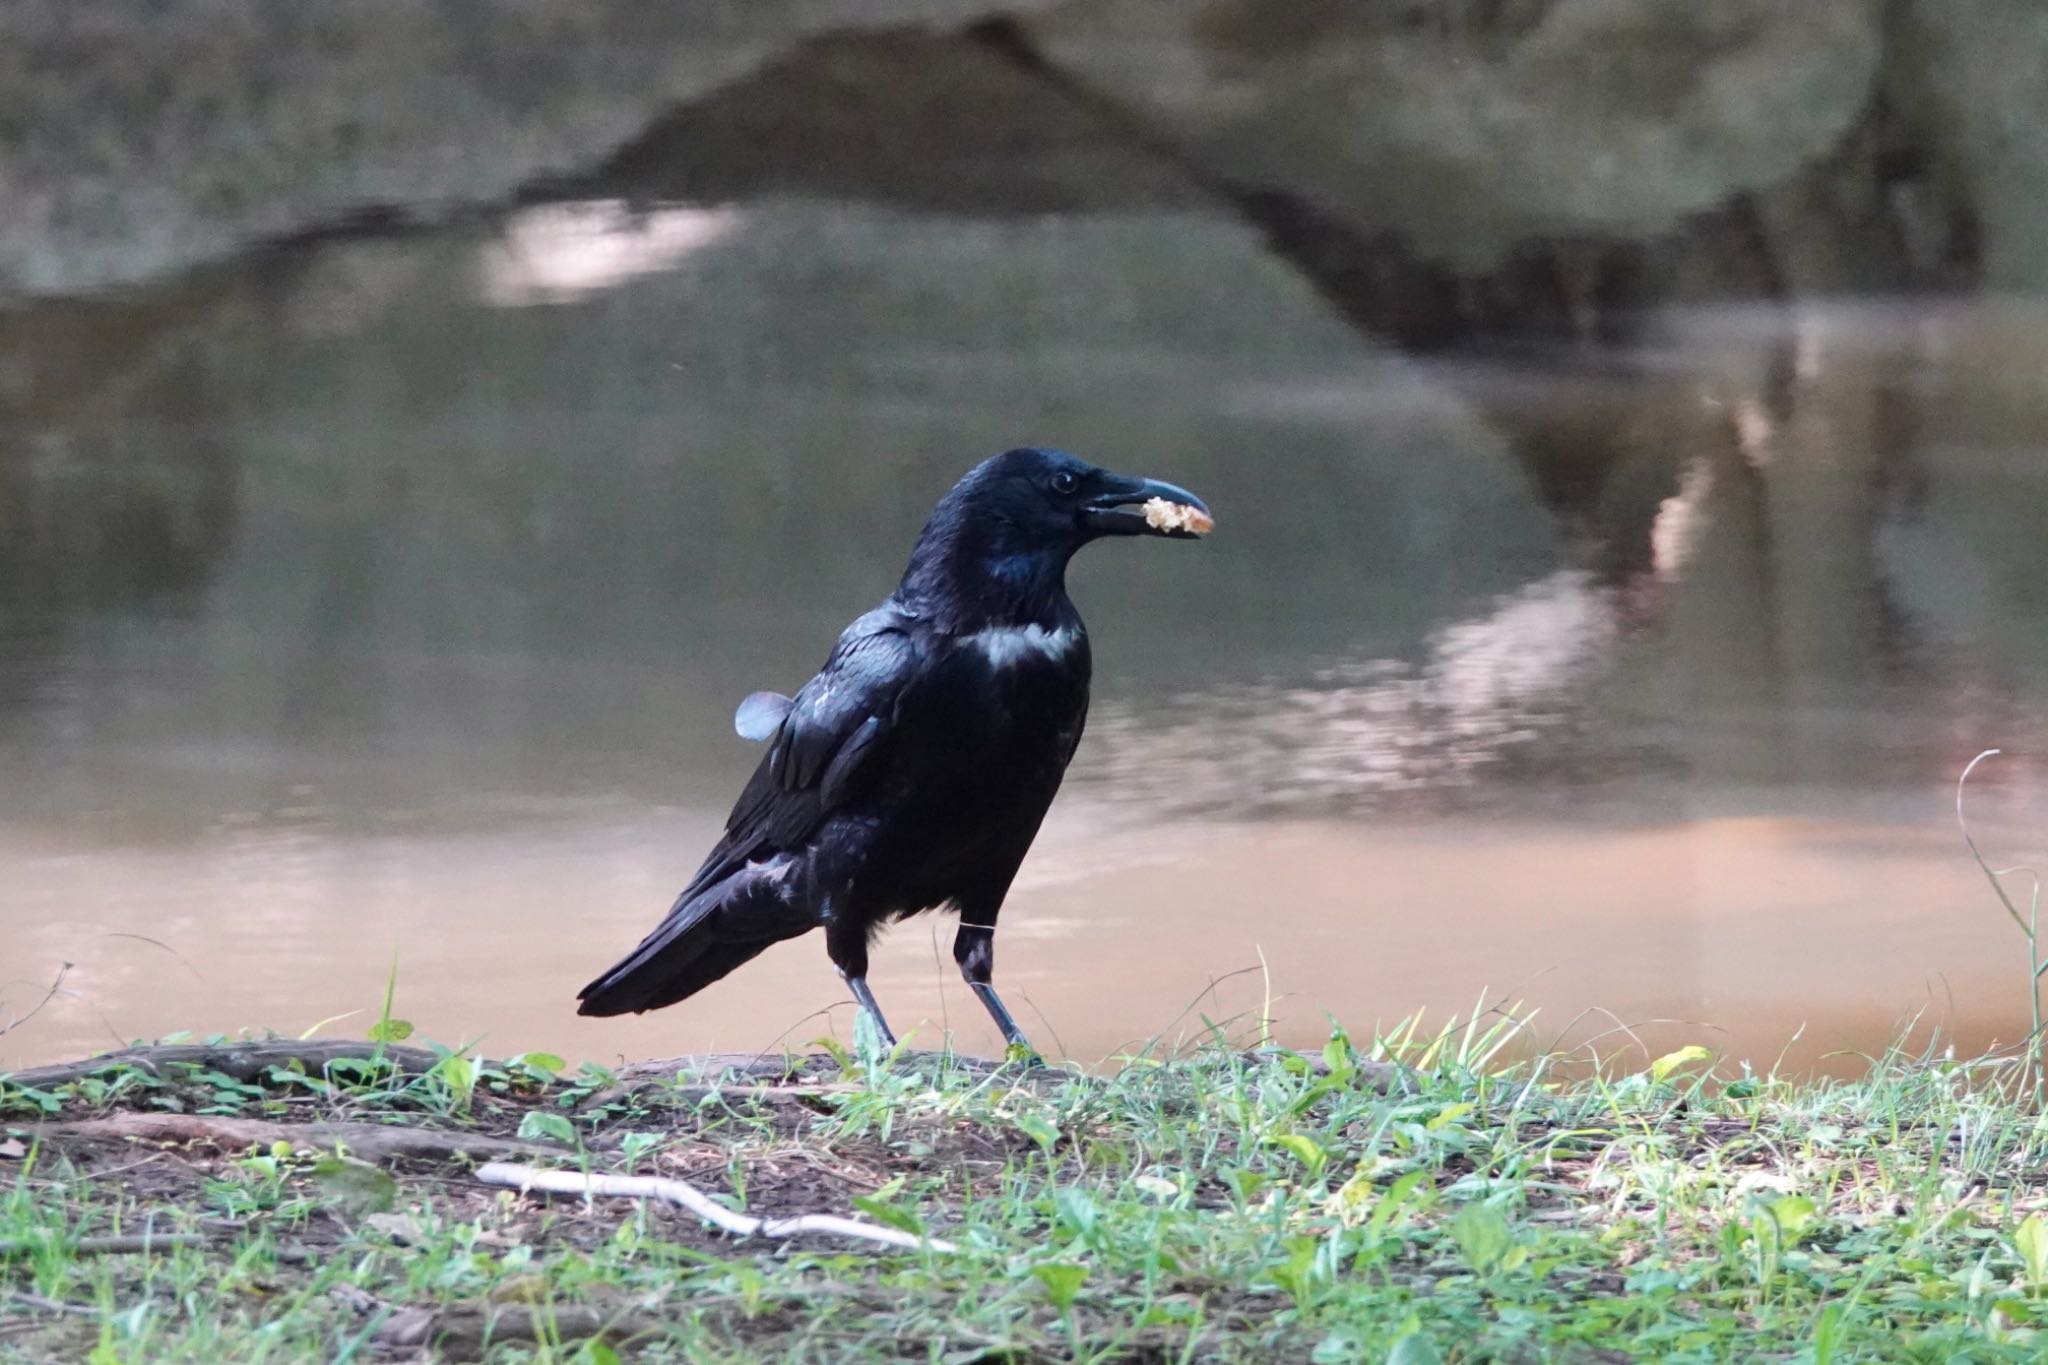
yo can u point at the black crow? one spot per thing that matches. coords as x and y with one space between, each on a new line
914 769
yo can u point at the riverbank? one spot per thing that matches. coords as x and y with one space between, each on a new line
1417 1199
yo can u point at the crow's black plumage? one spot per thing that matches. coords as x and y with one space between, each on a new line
914 769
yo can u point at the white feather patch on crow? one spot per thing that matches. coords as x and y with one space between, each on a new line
1003 646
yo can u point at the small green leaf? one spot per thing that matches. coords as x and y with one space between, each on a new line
1416 1348
1483 1236
1077 1210
1338 1347
1792 1213
1337 1056
1828 1333
546 1062
595 1352
1408 1192
836 1050
1247 1182
1664 1066
460 1074
539 1123
1038 1128
355 1187
890 1215
1306 1150
633 1146
390 1030
1449 1115
1062 1281
2030 1239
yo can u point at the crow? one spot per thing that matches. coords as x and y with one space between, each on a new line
913 771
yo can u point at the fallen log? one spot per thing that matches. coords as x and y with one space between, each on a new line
468 1329
246 1062
112 1244
690 1080
368 1141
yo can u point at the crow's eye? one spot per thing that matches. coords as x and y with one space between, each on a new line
1063 482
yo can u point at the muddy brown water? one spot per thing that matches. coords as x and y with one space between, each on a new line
388 599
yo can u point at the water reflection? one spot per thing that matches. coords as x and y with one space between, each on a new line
352 605
1373 733
556 253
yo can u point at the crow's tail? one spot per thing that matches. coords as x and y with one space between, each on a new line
708 933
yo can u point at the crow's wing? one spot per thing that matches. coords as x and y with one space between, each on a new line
836 727
826 740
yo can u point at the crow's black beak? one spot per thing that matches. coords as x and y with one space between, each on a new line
1166 510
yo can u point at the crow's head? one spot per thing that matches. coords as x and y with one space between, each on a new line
1027 498
1018 517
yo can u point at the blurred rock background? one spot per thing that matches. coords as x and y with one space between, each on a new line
1537 162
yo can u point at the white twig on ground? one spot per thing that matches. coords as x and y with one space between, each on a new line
682 1194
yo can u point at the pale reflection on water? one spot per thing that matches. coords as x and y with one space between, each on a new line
354 610
557 253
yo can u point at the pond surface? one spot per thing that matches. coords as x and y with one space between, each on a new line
387 599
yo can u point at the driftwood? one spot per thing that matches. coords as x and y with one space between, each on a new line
245 1062
113 1245
369 1141
689 1096
37 1301
685 1195
469 1328
765 1076
773 1066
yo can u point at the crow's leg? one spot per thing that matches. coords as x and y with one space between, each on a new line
846 941
859 986
974 948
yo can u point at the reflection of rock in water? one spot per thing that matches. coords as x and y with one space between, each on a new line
113 491
1962 542
87 522
496 493
1498 695
1811 561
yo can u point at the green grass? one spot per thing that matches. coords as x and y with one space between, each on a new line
1425 1197
1213 1205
